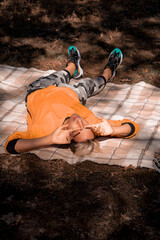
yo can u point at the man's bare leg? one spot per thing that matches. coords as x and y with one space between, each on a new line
71 68
107 73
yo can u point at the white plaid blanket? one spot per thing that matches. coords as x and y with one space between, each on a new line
138 102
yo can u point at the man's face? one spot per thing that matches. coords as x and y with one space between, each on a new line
82 135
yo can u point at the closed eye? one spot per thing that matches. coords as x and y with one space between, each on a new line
76 134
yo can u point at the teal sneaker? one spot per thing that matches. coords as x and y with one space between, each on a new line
75 57
114 61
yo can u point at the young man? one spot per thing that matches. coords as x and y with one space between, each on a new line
56 112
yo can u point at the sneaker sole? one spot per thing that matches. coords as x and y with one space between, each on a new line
80 73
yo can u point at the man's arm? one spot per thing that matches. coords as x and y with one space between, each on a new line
108 127
25 145
60 136
122 131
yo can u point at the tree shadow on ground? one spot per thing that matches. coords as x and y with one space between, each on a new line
98 24
56 200
24 55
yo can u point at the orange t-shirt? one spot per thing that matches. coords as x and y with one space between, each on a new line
49 107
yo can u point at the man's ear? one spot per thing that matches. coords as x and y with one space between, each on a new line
66 120
65 127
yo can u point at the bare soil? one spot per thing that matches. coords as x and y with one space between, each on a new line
52 199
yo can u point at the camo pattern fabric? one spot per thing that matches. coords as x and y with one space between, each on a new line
84 88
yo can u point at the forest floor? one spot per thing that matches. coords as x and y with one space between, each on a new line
52 199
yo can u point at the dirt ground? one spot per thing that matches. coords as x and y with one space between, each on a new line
47 200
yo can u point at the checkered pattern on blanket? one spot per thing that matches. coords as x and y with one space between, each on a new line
138 102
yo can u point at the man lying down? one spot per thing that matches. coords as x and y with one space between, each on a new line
57 115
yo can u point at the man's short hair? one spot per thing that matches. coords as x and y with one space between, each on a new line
81 149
